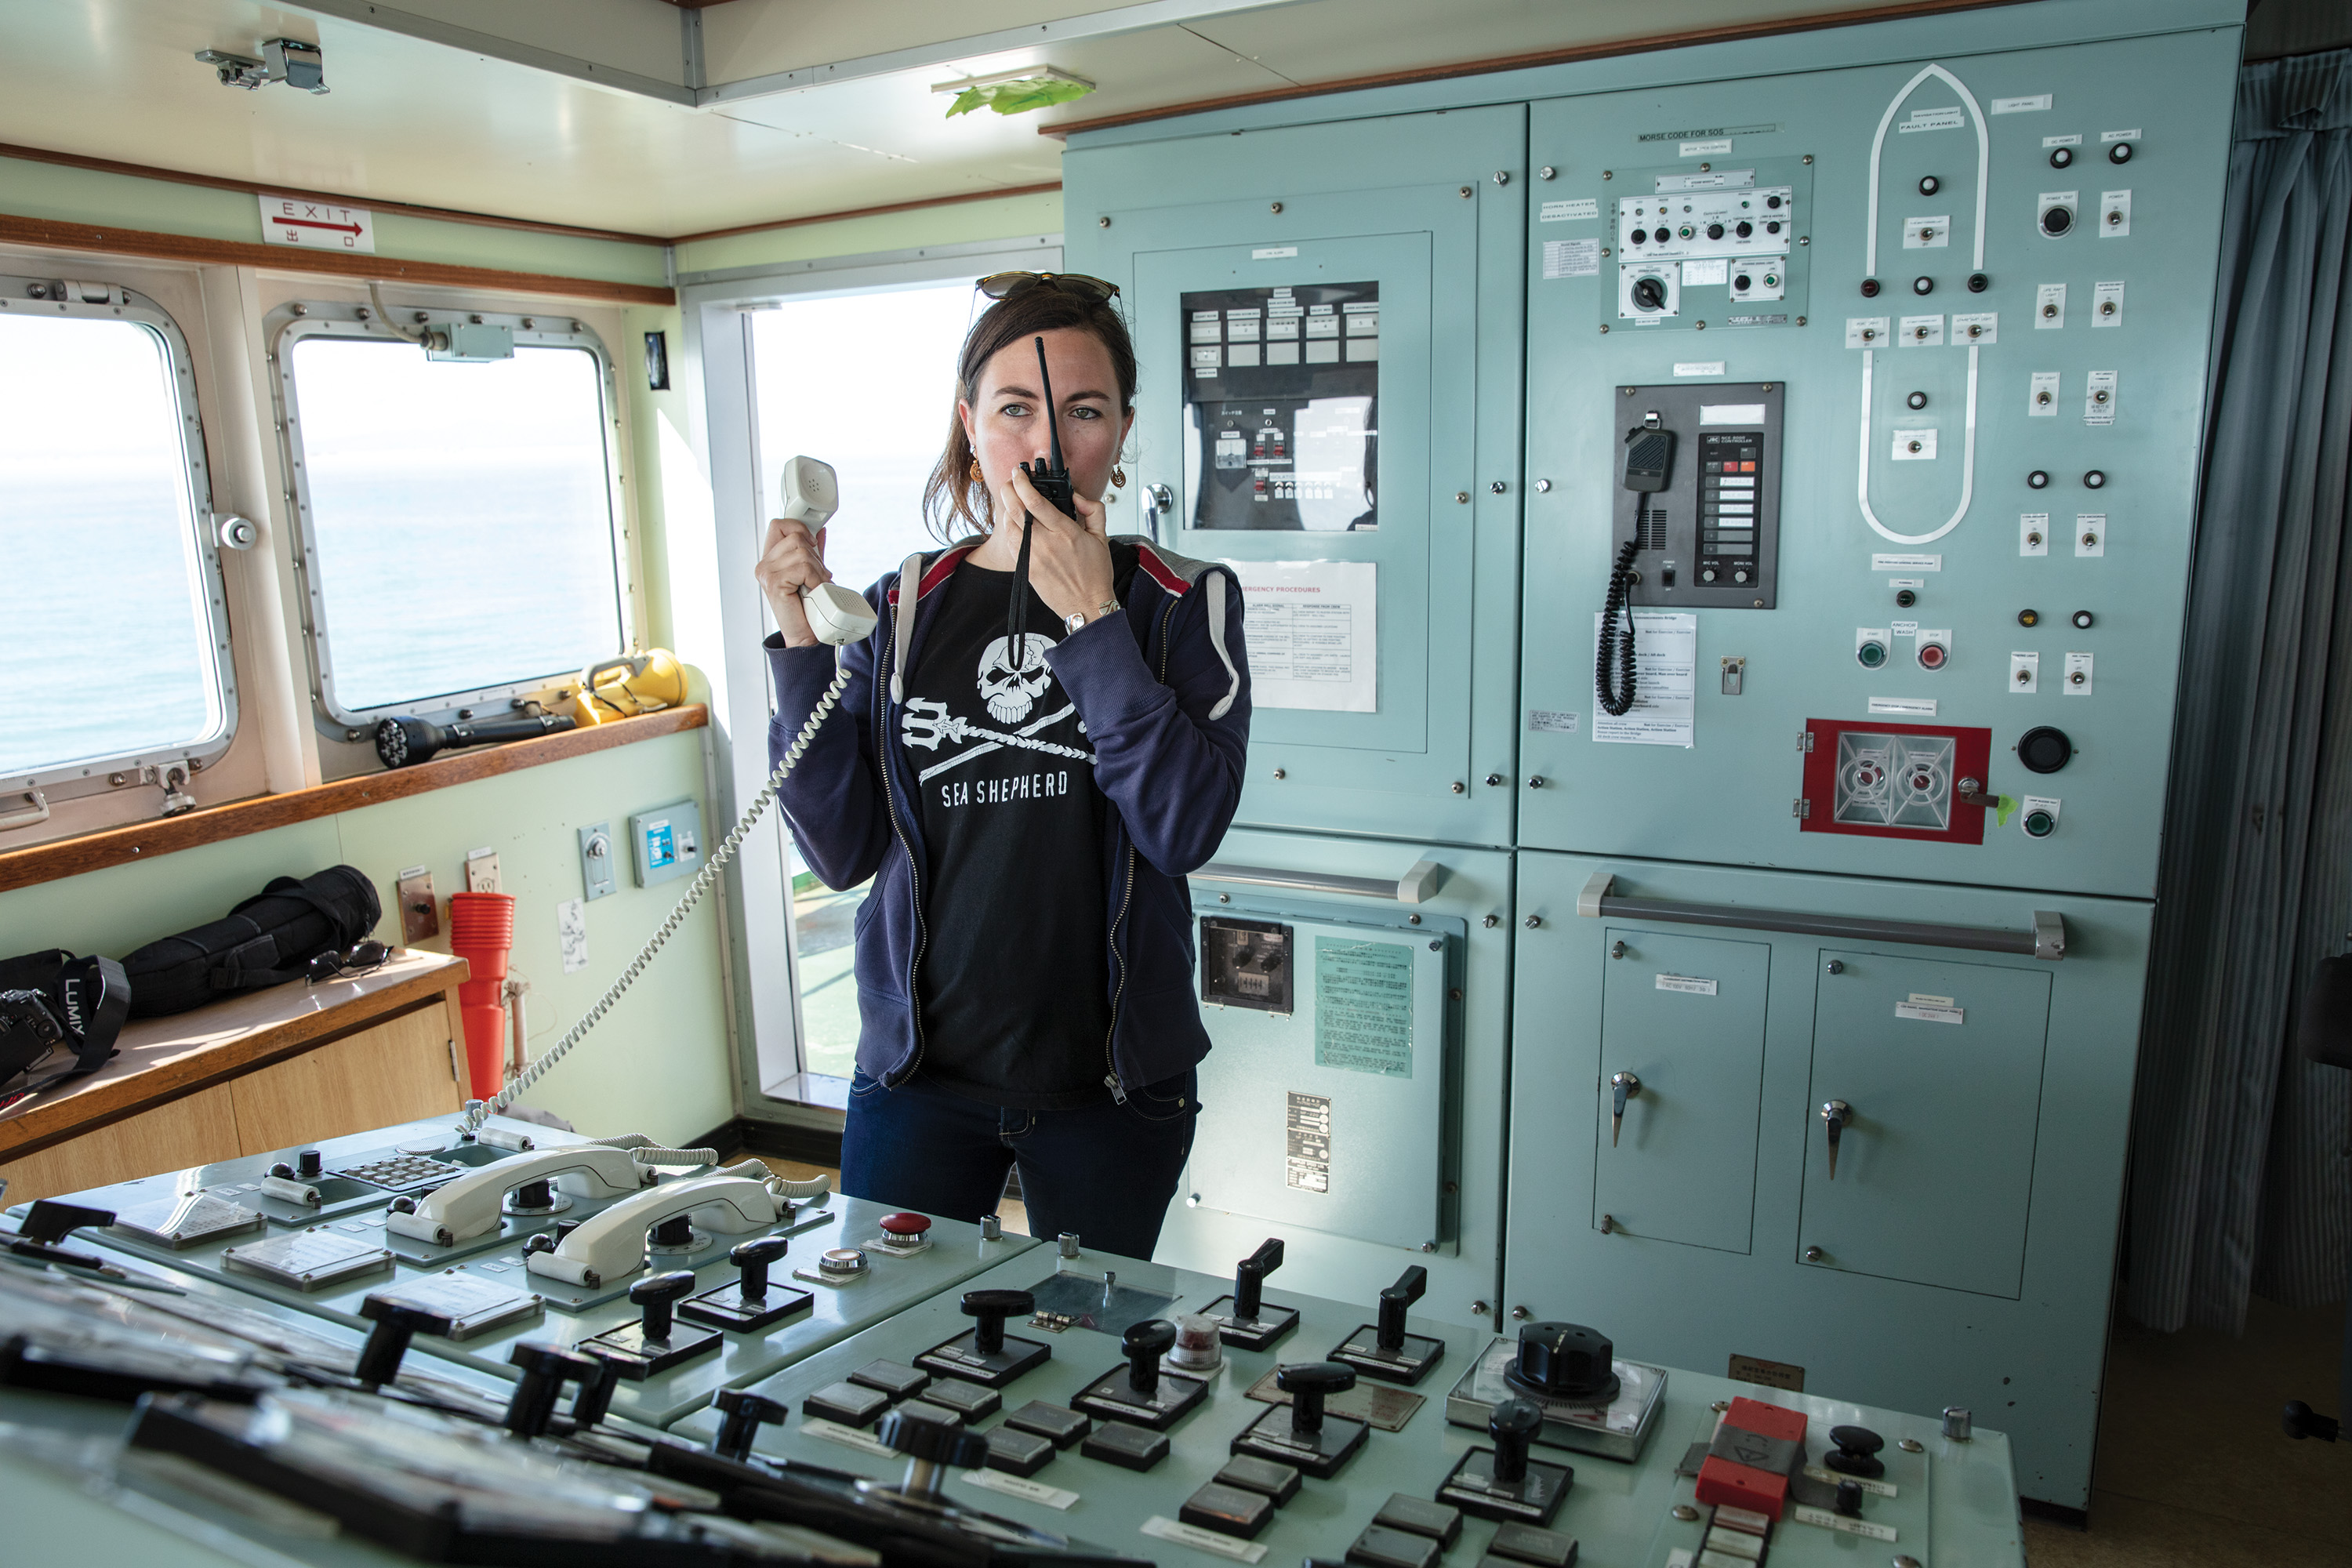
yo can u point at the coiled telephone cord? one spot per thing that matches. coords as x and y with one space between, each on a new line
1616 644
701 884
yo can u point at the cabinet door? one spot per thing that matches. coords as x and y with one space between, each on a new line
194 1130
1685 1016
397 1072
1940 1068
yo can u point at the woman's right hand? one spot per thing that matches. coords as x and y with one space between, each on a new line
792 559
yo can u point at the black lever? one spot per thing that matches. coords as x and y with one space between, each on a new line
2299 1421
1513 1425
1145 1344
746 1413
1308 1383
595 1394
753 1258
545 1370
657 1294
1627 1086
1410 1286
1249 1277
51 1221
989 1309
1835 1114
387 1342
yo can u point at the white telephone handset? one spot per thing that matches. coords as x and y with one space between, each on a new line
812 495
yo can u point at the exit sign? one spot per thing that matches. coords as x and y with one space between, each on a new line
316 225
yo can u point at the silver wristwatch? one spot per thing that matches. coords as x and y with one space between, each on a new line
1073 622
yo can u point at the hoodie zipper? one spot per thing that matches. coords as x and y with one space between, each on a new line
1110 1064
914 870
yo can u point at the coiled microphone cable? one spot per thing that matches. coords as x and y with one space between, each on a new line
1616 642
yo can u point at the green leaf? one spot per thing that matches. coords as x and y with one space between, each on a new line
1017 96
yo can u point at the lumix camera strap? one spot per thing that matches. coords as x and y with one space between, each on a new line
52 999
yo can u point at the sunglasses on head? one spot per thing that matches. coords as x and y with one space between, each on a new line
1005 285
360 958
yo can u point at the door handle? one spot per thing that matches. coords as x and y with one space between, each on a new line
1835 1114
1627 1086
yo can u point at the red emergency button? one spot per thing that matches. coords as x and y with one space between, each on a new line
904 1226
1932 656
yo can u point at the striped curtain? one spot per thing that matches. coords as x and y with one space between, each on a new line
2241 1178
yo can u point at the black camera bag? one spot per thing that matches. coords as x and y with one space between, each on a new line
268 940
49 999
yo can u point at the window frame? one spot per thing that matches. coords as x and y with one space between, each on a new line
772 1080
71 299
285 327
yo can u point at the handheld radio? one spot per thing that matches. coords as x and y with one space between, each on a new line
837 615
1053 483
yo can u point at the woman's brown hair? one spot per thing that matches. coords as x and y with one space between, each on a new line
954 492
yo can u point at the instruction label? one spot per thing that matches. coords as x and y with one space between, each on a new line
1686 984
1665 662
1569 210
1312 628
1163 1528
1571 257
1928 1009
1306 1118
1026 1490
1903 707
1951 119
1363 1007
1907 563
1545 720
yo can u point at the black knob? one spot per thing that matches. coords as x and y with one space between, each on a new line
1979 282
2094 480
1744 229
1410 1287
2044 750
564 1228
1145 1344
2056 221
1849 1499
2299 1421
1923 285
1249 1276
2062 157
753 1258
539 1194
2039 479
282 1171
1565 1359
989 1309
595 1396
537 1242
654 1294
1857 1452
2120 153
379 1361
940 1442
1714 231
1870 288
1771 201
746 1413
674 1231
1649 294
308 1165
1906 598
1308 1383
1929 185
545 1370
1641 236
1916 400
1513 1425
407 1204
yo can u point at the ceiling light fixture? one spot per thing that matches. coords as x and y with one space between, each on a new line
290 61
1014 91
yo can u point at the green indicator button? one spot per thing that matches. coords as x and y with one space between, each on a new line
2040 824
1870 654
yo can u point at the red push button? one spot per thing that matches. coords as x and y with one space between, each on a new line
1932 656
906 1226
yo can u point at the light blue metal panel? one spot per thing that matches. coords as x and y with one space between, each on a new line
1683 1016
1940 1065
2032 1363
1431 210
1729 797
1450 1107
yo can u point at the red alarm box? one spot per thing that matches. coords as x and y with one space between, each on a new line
1756 1449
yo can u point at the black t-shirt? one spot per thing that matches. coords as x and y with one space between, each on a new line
1015 1001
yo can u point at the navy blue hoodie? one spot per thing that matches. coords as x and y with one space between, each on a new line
1163 689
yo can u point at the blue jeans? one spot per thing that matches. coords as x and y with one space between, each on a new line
1104 1172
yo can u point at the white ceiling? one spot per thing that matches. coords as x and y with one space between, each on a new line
437 122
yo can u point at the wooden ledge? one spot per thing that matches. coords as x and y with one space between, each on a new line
162 1059
145 840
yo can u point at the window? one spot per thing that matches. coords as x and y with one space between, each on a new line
114 609
459 517
865 382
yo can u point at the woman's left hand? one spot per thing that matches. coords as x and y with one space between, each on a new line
1069 558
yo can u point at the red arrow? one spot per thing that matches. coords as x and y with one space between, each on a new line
306 222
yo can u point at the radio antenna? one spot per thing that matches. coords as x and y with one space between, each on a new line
1053 483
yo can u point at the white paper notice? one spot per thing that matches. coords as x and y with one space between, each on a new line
1571 257
1313 633
1666 663
571 933
1687 984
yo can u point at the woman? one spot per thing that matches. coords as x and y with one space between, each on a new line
1027 805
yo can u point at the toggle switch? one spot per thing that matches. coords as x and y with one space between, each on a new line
983 1353
387 1342
1305 1435
744 1413
545 1370
1141 1393
1626 1087
1245 1320
1385 1349
1504 1482
750 1303
1835 1114
654 1344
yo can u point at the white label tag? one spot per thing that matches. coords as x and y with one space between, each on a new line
2078 676
1906 581
1928 233
1569 210
1731 414
1915 446
1825 1519
2026 105
2049 307
2107 136
1705 149
1711 272
1907 563
1920 332
2114 214
1550 722
1905 628
847 1437
2090 533
2026 673
1875 1488
1929 1012
1925 1000
1903 707
2033 534
2107 304
1951 119
1685 985
1975 329
2062 141
1274 253
1028 1490
1698 367
2099 397
2042 398
1165 1529
1865 332
1571 259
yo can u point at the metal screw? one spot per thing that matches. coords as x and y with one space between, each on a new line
1491 922
1436 943
1809 157
1273 206
1502 176
1520 1314
530 324
1546 172
1534 781
1607 174
1814 1254
1720 1406
1462 498
300 308
1413 919
1224 897
1457 786
1616 950
1543 487
1684 1512
1102 222
1429 1247
1480 1308
1911 1445
1534 921
1193 1201
1496 487
1467 190
1282 773
1494 779
1835 966
1609 1224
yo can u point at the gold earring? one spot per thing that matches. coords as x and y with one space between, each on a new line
975 471
1119 478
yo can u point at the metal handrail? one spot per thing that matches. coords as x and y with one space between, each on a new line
2047 939
1417 885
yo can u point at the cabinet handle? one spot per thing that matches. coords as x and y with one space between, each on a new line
1627 1086
1835 1114
2046 940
